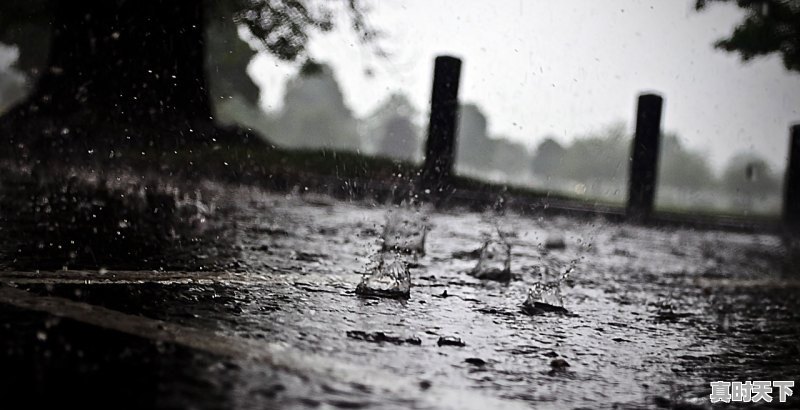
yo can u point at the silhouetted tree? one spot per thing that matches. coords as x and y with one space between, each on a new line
390 131
599 156
473 148
749 175
139 64
770 26
548 157
603 156
509 157
477 151
400 139
227 57
682 168
314 113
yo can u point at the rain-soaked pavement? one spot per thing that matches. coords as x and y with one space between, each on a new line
653 316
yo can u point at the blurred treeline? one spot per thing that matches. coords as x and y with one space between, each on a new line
596 166
313 114
592 166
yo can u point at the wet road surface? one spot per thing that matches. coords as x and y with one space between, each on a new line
655 315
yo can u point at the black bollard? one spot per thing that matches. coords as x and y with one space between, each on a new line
644 158
435 178
791 184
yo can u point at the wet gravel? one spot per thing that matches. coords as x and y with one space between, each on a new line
653 316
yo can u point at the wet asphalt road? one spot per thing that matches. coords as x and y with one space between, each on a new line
655 315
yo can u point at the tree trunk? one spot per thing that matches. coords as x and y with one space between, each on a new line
117 66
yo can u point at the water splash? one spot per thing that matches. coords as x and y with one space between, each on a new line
555 241
405 232
495 259
389 278
545 295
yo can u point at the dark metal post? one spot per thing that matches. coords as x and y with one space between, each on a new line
644 158
440 147
791 183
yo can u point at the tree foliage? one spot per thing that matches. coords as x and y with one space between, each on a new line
750 175
770 26
547 158
283 26
390 131
601 155
478 151
314 113
227 58
604 156
512 158
681 167
473 148
400 139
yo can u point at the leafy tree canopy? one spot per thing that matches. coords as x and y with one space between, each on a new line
770 26
681 167
601 155
284 26
749 174
548 157
473 149
314 112
390 130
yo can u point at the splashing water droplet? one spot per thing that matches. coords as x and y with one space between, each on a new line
390 278
555 241
495 259
405 232
549 293
545 295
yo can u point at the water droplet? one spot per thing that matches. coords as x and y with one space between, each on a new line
405 231
495 260
390 278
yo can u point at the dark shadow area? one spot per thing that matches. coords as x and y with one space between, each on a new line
210 304
53 362
85 221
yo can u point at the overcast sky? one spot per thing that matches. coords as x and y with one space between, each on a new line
565 68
